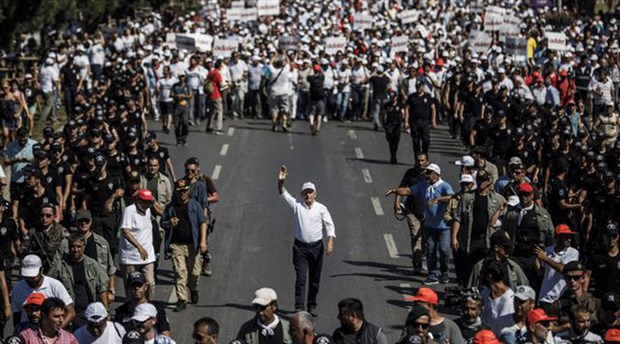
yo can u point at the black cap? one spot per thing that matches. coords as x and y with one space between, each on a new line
323 339
48 132
609 177
95 132
133 337
500 238
612 229
193 161
415 313
134 176
100 160
41 154
56 147
483 175
33 171
58 134
150 135
22 133
136 277
108 138
575 265
610 302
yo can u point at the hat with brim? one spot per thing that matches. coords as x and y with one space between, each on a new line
264 296
143 312
31 266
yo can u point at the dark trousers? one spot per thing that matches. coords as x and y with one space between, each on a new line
181 126
69 98
421 136
308 261
392 135
464 262
106 226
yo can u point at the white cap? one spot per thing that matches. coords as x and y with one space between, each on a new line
264 296
434 168
144 312
524 293
515 160
513 200
95 312
466 161
31 266
501 70
466 178
308 185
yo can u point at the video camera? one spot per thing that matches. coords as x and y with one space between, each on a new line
454 296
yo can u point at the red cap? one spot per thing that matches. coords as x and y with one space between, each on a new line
485 337
536 74
563 72
525 187
440 63
145 195
35 299
538 315
613 335
540 79
427 295
563 229
316 68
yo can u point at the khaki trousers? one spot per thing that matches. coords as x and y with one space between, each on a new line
185 259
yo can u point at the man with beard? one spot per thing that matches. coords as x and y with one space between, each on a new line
34 281
32 306
354 328
579 332
524 302
266 327
416 327
54 315
145 318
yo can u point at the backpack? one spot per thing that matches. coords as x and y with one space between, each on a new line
209 87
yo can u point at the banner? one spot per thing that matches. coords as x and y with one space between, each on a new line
556 40
288 43
224 47
335 44
480 41
516 47
494 18
399 44
409 16
477 6
234 13
362 21
193 42
541 3
249 14
171 40
510 27
268 8
237 4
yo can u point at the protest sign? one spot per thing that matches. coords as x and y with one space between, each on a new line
237 4
480 41
493 18
510 27
249 14
362 21
288 43
400 43
409 16
234 13
171 40
335 44
224 47
193 42
268 8
516 47
556 40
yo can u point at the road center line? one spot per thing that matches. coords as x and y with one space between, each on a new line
366 174
290 141
391 245
376 204
358 153
216 172
352 134
173 296
231 131
224 149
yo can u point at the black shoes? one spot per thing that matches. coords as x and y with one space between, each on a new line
181 305
194 296
312 311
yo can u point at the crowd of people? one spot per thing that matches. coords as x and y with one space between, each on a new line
533 229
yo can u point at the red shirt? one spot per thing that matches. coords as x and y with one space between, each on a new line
216 78
35 336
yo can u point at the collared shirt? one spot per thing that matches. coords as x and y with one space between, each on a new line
309 223
32 336
50 287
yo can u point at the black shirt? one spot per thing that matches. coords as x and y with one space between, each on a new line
379 84
277 338
8 234
412 177
80 288
160 154
558 190
91 248
69 77
182 233
30 204
502 139
420 109
100 191
480 218
606 273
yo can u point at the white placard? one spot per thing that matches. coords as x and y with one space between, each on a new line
203 42
171 40
224 47
288 43
362 21
400 43
249 14
268 8
480 41
477 6
237 4
335 44
193 42
510 27
516 47
234 13
556 40
409 16
494 18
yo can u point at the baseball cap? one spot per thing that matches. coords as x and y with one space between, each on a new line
136 277
144 312
323 339
513 200
515 160
35 298
575 265
499 238
83 214
485 337
308 185
415 313
610 302
537 315
434 167
134 337
100 160
612 335
525 187
466 178
427 295
181 184
524 293
31 266
563 229
134 176
264 296
466 160
145 195
612 228
95 312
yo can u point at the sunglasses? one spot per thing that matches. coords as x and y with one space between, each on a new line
83 221
573 278
524 194
189 170
47 215
423 326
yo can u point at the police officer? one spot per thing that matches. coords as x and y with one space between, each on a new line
392 123
181 94
420 115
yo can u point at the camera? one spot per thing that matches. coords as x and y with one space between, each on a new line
455 296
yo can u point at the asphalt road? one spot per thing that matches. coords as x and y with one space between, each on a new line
252 244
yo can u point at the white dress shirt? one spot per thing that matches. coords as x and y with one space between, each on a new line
309 223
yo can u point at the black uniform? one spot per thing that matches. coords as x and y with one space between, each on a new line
392 124
420 112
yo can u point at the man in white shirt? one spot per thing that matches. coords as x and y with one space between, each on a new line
239 74
99 330
279 90
136 250
497 299
196 76
554 258
49 82
311 218
34 281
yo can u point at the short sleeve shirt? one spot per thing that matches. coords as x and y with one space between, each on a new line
141 228
50 288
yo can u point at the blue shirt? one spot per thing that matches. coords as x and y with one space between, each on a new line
17 151
433 215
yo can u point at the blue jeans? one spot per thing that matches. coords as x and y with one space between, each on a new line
377 106
342 99
437 240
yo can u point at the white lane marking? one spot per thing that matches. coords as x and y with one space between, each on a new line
366 174
391 245
224 149
352 134
216 172
358 153
231 131
173 296
377 205
290 141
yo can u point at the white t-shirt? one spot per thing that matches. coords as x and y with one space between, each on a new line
48 76
553 283
142 230
50 288
109 335
165 87
497 314
279 86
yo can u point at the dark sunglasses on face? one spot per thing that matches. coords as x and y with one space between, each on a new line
573 278
83 221
189 170
423 326
525 194
47 215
